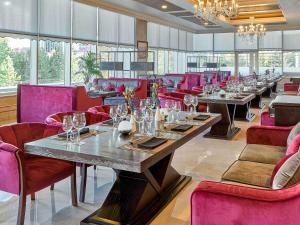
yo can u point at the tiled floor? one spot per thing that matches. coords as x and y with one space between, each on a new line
200 158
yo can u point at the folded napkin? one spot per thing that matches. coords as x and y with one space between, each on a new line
108 122
201 117
182 128
152 143
84 130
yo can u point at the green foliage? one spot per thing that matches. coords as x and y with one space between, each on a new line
88 67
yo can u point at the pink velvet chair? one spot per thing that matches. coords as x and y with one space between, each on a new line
266 119
91 118
102 110
23 174
291 87
216 203
36 102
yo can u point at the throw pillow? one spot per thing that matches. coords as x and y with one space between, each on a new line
288 173
121 89
294 132
109 87
294 145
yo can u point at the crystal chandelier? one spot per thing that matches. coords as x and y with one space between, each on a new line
210 10
251 31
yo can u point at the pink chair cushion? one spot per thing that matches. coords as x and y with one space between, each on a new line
294 145
42 172
121 89
109 87
266 120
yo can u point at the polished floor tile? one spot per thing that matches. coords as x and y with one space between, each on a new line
201 158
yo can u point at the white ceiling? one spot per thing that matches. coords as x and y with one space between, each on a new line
290 8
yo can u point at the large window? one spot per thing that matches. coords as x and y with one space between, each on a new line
161 57
14 62
51 59
270 60
84 62
226 61
105 54
173 64
291 62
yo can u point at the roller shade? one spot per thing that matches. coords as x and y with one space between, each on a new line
189 41
126 29
242 44
164 36
84 22
291 40
203 42
108 26
272 40
223 42
153 34
182 40
174 37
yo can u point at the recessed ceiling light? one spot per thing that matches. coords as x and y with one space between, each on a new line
205 23
164 6
7 3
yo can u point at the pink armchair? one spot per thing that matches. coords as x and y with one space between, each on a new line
215 203
23 174
291 87
36 102
56 120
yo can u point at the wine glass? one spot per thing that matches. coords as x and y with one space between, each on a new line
187 101
113 113
149 103
67 125
79 122
124 110
139 118
169 106
148 117
194 101
177 108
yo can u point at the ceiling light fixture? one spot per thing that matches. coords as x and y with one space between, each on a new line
164 6
210 10
251 31
7 3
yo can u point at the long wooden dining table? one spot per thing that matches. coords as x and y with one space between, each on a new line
146 180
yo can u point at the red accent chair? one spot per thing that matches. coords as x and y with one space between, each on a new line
139 85
102 111
266 119
36 102
24 174
91 118
215 203
291 87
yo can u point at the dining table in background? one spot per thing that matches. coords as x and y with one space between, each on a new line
146 180
229 108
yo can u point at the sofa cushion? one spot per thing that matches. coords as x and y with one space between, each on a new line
252 173
289 172
109 87
294 145
262 153
120 89
294 132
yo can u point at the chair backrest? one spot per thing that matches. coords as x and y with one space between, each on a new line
18 134
36 102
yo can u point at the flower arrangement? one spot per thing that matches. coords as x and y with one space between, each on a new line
155 88
130 99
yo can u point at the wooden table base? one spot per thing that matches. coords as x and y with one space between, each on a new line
136 198
223 129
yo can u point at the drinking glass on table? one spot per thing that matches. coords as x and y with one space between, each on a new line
149 103
177 109
113 114
169 105
187 101
139 118
194 101
79 122
148 117
67 125
124 111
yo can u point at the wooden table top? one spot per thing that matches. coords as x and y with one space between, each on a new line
107 147
226 100
257 91
286 100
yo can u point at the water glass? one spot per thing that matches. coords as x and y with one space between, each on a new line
169 105
148 117
177 109
67 125
194 101
113 114
139 118
79 122
187 101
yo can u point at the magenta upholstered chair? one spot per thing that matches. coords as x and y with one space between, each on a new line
102 111
291 87
91 118
266 119
216 203
23 174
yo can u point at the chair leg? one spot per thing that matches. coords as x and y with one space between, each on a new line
83 182
22 209
74 190
32 196
52 187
